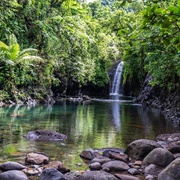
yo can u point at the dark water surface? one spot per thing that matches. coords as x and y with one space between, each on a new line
88 124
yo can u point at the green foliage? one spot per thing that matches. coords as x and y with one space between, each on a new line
149 37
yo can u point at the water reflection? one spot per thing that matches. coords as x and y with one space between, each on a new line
116 112
94 124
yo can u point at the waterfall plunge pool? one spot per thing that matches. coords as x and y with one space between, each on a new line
98 123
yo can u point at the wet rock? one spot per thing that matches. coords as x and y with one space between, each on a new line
94 175
115 166
126 177
52 174
11 166
138 149
44 135
159 156
57 165
101 159
89 154
13 175
36 158
171 172
95 166
118 156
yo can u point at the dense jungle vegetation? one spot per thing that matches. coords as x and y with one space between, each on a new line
51 45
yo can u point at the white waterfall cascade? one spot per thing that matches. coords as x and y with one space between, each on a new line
115 90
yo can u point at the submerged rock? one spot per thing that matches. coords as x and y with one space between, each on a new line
44 135
11 166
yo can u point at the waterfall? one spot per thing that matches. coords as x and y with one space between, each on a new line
115 90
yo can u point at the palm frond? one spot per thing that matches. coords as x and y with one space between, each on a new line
33 58
27 51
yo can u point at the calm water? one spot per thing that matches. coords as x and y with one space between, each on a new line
91 124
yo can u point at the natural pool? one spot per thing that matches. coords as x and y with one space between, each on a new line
90 124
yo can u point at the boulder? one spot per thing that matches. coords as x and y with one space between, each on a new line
171 172
138 149
44 135
14 175
115 166
52 174
89 154
11 166
159 156
94 175
57 165
36 158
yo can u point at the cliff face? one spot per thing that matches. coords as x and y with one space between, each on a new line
161 98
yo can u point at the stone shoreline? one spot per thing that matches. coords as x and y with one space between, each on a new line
143 159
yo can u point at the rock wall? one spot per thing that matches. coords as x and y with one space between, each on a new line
161 98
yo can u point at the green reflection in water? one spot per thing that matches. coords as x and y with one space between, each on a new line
93 124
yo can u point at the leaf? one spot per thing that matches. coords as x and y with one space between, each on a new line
27 51
3 46
123 3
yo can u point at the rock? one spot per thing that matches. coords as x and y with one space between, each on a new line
57 165
101 159
95 166
44 135
177 155
118 156
89 154
36 158
158 156
94 175
150 177
31 171
174 147
106 151
126 177
133 171
138 149
14 175
163 144
52 174
115 166
152 169
11 166
168 137
171 172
